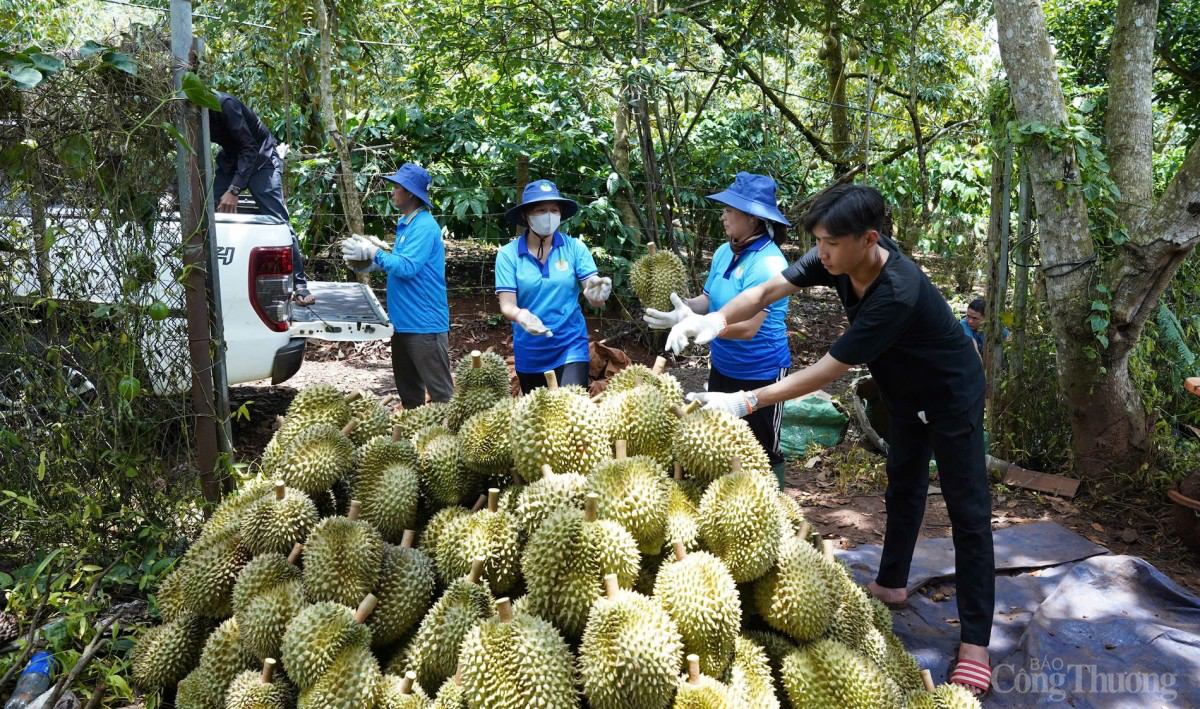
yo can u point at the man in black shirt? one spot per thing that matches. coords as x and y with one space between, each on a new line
930 378
248 161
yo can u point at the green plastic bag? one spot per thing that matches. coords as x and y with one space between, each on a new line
810 420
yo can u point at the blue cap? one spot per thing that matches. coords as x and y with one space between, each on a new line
753 194
540 191
413 178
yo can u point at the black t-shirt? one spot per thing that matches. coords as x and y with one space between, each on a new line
904 331
246 144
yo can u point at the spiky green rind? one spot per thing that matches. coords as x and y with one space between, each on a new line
491 535
802 595
791 515
392 501
559 427
739 522
565 562
373 419
750 676
544 496
444 479
518 664
222 659
166 653
169 598
268 594
776 646
636 375
227 518
248 691
826 674
272 525
341 561
707 694
319 403
953 696
854 620
209 570
900 665
315 459
413 420
432 534
881 615
390 696
492 375
433 651
707 440
405 589
700 595
350 682
484 440
375 456
634 492
467 402
630 654
654 277
450 696
920 700
198 691
315 639
642 417
683 520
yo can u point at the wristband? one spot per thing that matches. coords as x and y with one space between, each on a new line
749 406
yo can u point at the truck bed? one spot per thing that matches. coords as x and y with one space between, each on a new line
343 312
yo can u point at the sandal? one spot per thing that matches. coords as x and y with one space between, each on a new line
971 675
303 297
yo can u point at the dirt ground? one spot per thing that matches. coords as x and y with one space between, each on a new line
851 514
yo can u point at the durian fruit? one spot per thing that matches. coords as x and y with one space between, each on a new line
483 440
488 533
316 458
631 652
826 673
750 676
683 524
483 370
388 486
208 572
401 693
413 420
655 276
776 646
374 418
433 651
269 592
405 588
341 559
633 492
697 690
169 598
801 595
636 375
643 417
318 635
221 660
542 497
165 654
739 522
452 694
517 660
791 517
261 690
467 402
276 523
566 560
227 518
445 480
707 440
943 696
559 427
349 676
378 454
315 404
698 592
437 524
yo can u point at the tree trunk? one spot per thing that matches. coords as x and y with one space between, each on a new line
620 152
347 189
835 74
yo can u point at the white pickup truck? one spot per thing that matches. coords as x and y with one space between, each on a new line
265 333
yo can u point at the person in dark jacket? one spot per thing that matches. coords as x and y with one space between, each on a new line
248 161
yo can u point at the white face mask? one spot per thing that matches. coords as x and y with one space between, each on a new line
544 224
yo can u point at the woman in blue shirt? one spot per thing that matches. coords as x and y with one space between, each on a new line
539 276
755 352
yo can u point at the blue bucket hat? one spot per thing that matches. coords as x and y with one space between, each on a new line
540 191
753 194
413 178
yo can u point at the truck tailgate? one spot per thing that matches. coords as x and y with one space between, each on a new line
343 312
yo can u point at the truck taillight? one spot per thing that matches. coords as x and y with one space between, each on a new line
271 285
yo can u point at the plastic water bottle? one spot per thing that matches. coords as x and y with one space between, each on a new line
34 680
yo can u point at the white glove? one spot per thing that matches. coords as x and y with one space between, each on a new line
660 320
701 328
597 290
736 403
359 248
532 324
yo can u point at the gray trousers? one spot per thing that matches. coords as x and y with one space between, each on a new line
420 364
266 187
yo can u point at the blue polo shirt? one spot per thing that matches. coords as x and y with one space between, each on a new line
551 292
416 276
762 356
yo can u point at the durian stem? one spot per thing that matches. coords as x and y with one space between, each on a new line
660 363
547 470
681 411
551 380
611 588
279 421
589 507
280 489
365 608
693 669
352 513
476 569
458 675
493 499
406 684
352 397
805 528
651 248
622 450
387 400
479 503
678 470
397 433
596 399
827 549
268 670
476 359
349 427
735 464
406 541
927 680
680 550
294 556
504 609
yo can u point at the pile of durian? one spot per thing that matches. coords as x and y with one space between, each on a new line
549 551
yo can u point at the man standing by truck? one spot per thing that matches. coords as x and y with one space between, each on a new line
416 290
248 161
